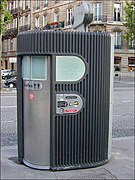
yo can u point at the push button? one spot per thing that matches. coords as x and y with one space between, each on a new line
61 110
75 103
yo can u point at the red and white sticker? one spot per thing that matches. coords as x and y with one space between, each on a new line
31 96
71 110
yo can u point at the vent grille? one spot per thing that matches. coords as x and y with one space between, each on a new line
81 140
78 87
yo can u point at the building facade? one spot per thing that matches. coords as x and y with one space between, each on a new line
108 16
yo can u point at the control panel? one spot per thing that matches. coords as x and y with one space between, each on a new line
68 103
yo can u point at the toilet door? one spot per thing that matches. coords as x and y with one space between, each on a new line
36 112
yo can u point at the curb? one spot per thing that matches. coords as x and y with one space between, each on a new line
123 82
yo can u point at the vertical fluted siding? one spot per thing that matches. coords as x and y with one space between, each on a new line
77 140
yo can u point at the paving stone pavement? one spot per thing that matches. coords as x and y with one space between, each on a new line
121 165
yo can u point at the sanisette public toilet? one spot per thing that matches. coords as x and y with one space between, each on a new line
64 99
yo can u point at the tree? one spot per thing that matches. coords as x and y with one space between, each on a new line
129 33
5 16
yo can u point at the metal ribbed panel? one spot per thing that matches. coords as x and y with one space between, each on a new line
77 140
82 139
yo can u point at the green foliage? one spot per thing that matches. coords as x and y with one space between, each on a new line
5 16
129 33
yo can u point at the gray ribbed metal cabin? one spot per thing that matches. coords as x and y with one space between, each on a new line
64 98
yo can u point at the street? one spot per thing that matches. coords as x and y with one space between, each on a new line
123 114
8 119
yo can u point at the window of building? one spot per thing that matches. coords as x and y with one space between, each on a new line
57 1
131 63
11 45
29 19
15 43
12 5
12 65
37 4
69 68
26 4
1 64
44 20
36 21
97 11
5 45
117 63
15 22
8 44
26 20
69 16
21 21
12 25
56 17
117 40
131 42
20 4
45 3
8 26
117 12
9 8
6 64
16 4
3 50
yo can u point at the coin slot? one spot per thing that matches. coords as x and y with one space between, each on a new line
62 104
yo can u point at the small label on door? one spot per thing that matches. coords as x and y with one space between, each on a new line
31 96
33 85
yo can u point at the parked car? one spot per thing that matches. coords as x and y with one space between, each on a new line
11 82
11 74
4 73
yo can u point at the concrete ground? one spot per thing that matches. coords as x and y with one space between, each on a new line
121 165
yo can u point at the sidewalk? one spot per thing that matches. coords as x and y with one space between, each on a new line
121 166
126 78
